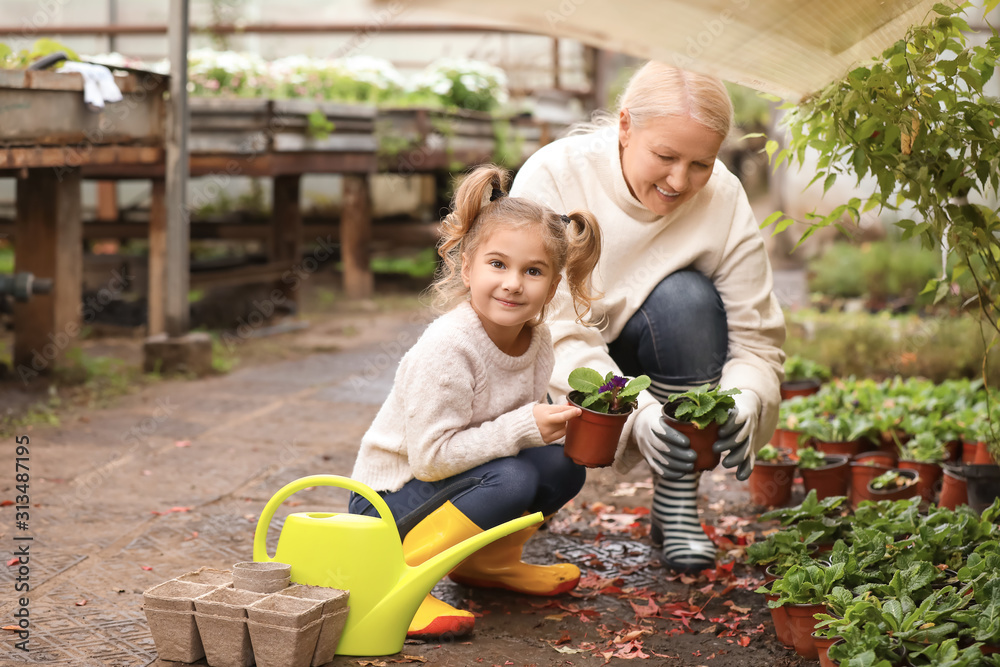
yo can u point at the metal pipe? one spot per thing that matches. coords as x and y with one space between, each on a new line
279 28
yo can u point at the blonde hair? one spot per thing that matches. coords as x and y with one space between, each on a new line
481 206
657 90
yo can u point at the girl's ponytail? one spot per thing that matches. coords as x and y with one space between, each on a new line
583 236
476 192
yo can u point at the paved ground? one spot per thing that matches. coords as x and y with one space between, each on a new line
173 478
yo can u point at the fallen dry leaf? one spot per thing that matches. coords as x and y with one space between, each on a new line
182 443
147 568
12 628
81 603
743 641
6 503
373 663
192 536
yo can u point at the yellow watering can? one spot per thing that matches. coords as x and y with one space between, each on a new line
364 555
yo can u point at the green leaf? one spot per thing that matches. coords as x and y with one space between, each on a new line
635 385
770 147
828 183
586 380
774 217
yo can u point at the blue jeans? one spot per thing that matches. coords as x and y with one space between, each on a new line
679 336
540 479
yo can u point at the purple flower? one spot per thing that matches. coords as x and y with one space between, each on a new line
616 384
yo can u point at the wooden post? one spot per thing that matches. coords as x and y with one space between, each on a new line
107 201
178 221
286 225
355 238
49 244
156 319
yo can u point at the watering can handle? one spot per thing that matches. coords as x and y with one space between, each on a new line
260 535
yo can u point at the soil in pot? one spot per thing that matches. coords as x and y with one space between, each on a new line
928 478
849 448
771 483
793 388
592 438
953 488
802 625
701 442
983 484
861 474
907 488
832 479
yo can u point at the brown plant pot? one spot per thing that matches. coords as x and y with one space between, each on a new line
169 610
969 451
954 450
878 457
928 480
780 618
909 491
592 438
802 623
860 476
830 480
794 388
701 442
844 448
222 622
284 630
787 440
334 617
822 644
261 577
983 456
953 489
209 576
771 483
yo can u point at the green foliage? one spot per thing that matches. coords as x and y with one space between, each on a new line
810 508
6 257
925 447
608 394
884 345
702 405
918 121
801 368
771 454
806 584
890 480
781 550
882 271
810 459
10 59
419 265
318 126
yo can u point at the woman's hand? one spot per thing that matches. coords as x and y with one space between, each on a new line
737 434
551 420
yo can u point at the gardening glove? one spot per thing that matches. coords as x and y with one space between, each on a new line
736 435
667 451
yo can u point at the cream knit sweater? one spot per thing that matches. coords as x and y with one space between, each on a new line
715 233
457 402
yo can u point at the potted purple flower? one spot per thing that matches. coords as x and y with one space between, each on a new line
606 401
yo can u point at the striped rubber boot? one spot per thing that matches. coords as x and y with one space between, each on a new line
675 522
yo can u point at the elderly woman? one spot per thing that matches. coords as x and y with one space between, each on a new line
686 280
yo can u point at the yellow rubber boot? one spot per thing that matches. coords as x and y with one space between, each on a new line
443 528
499 565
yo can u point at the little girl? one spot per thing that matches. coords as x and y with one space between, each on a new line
464 432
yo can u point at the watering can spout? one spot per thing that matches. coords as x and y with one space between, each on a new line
417 582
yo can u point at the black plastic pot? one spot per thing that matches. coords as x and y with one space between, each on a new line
983 484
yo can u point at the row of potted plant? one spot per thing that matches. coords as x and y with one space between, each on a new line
888 585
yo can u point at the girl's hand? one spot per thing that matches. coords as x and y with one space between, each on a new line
551 420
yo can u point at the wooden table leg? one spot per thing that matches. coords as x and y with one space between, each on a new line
355 238
49 244
286 229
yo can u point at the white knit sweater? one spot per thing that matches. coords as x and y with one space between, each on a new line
715 233
457 402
